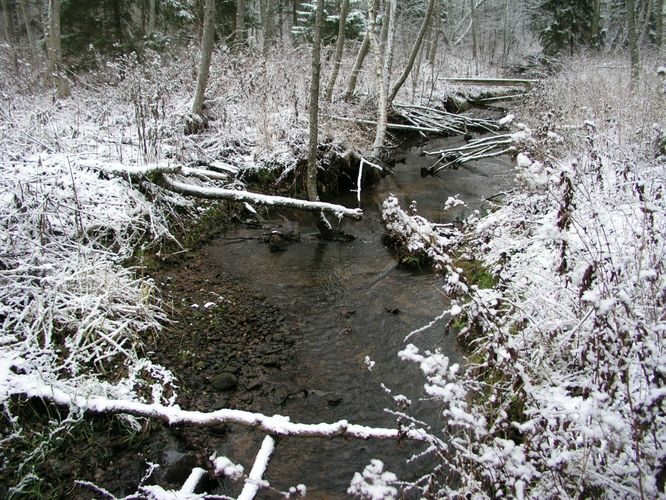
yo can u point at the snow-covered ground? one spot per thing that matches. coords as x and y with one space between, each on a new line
565 390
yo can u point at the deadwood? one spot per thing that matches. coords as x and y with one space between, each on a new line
163 176
173 415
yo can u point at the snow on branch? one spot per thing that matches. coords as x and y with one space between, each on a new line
32 386
159 174
257 199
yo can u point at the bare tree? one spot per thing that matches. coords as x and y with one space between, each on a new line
240 21
663 31
358 64
311 180
152 15
633 42
207 43
8 29
339 46
414 53
382 100
54 48
27 18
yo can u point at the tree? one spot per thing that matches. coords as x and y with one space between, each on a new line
382 100
339 46
207 43
240 21
633 42
358 64
415 50
311 179
568 25
663 30
54 49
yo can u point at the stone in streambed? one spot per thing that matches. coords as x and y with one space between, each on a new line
224 381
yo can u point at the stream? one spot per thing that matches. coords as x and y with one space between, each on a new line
350 300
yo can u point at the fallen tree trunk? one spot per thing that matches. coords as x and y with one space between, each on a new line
158 174
215 193
503 82
275 426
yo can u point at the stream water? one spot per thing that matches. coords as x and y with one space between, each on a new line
350 300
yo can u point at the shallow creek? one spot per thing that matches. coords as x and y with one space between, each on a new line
350 300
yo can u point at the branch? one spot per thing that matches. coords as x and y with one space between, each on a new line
160 170
255 479
256 199
173 415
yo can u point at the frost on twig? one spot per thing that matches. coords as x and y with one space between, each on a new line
564 390
374 483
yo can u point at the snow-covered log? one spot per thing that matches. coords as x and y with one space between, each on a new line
32 387
158 174
256 199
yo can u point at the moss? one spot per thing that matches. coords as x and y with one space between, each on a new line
475 273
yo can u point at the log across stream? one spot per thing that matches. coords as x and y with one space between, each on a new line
350 300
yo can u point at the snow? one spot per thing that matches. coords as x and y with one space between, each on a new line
374 483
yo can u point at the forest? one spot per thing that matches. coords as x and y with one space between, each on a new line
332 249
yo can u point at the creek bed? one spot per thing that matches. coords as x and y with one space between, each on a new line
346 301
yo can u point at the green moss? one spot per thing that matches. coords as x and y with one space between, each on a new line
475 273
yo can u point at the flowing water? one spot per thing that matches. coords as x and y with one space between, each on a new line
350 301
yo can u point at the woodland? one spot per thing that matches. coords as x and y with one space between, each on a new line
129 128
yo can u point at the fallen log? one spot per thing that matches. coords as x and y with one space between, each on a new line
215 193
501 82
173 415
160 174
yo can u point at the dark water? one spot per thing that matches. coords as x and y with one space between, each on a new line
351 301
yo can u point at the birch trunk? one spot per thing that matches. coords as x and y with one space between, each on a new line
55 51
207 43
375 39
414 53
339 47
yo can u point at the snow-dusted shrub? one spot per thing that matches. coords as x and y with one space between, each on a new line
564 392
71 314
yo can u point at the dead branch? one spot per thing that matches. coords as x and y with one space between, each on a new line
173 415
256 199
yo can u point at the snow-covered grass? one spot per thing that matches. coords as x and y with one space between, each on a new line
564 393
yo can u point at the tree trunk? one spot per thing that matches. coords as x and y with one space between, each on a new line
311 180
151 16
207 43
339 46
358 64
9 34
435 30
388 37
55 51
27 17
375 38
267 24
663 31
596 22
322 223
658 8
240 21
475 29
414 53
633 42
